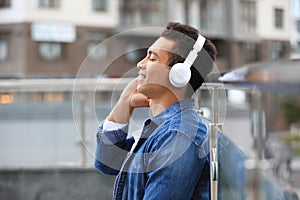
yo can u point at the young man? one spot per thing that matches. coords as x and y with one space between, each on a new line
169 161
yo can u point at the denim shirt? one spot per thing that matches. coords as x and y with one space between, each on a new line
168 162
171 159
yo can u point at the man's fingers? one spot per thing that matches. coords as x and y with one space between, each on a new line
139 100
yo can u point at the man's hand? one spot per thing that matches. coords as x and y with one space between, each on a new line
129 100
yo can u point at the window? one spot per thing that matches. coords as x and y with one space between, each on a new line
132 54
143 12
5 3
204 14
296 49
100 5
298 26
275 50
278 18
50 51
96 51
3 50
48 3
248 16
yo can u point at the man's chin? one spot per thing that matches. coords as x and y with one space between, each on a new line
141 89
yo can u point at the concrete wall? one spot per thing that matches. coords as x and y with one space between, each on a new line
55 184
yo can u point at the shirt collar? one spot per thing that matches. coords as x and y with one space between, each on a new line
172 110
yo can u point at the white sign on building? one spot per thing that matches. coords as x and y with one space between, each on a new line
48 32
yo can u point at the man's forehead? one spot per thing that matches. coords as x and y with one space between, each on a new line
162 44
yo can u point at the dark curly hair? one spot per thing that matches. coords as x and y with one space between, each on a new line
184 37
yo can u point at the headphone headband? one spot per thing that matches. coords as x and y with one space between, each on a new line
190 59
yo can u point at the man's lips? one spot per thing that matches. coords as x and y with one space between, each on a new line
141 75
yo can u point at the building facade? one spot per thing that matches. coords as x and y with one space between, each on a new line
274 30
56 38
244 31
51 38
295 29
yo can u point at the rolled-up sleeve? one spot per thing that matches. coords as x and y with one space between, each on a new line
111 149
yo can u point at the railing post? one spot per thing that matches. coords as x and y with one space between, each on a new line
82 128
213 144
254 167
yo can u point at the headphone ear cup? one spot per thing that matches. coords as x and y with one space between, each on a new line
180 75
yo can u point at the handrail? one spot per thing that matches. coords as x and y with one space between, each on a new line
63 84
83 84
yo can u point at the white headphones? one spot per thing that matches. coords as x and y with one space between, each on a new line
180 73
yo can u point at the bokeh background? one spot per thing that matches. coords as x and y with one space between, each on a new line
64 63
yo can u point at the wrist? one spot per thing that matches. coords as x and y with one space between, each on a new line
121 113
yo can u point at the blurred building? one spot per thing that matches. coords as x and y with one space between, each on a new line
52 38
273 27
295 29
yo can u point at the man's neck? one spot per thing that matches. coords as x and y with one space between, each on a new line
158 105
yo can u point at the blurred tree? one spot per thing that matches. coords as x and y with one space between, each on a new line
291 112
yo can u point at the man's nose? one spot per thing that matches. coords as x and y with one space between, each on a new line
141 64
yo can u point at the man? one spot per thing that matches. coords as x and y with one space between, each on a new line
169 160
